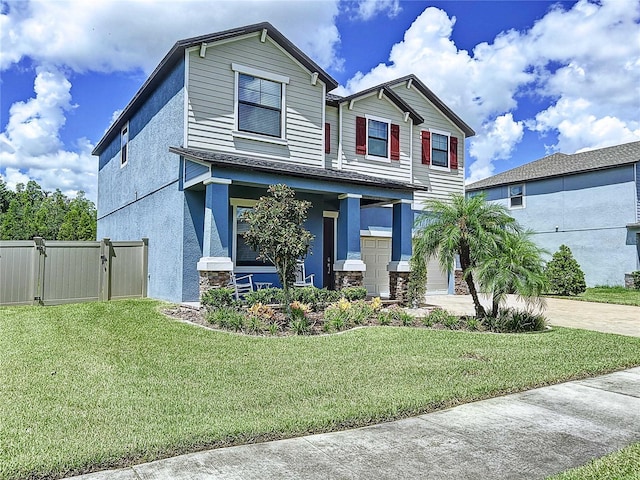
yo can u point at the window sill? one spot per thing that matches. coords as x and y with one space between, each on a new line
377 159
440 169
259 138
255 270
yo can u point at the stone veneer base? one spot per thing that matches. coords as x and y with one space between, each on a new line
209 280
348 279
399 287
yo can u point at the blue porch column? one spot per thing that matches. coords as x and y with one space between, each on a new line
215 266
401 248
349 266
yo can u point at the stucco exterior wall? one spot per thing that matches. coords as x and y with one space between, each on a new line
143 198
587 212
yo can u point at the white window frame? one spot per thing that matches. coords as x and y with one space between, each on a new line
523 196
244 203
444 134
369 156
124 146
273 77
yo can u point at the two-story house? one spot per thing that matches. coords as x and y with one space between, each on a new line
589 201
224 116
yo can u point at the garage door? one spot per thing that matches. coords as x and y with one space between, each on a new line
437 280
376 254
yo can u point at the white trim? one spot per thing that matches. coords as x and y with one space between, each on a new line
330 214
185 110
410 151
215 264
263 35
340 151
196 180
323 155
254 72
409 82
342 196
380 94
203 50
216 181
314 78
398 266
373 232
349 266
242 202
402 200
369 156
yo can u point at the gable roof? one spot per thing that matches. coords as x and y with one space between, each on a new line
176 54
335 100
261 165
561 164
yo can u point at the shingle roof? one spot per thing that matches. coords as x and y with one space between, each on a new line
561 164
259 164
422 88
176 54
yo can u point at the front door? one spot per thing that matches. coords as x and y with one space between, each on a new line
328 253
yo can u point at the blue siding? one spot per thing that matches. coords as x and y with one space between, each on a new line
193 170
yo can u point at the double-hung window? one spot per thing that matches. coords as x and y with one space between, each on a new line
377 138
516 196
439 150
244 256
260 101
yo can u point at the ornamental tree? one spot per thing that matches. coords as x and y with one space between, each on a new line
564 273
276 232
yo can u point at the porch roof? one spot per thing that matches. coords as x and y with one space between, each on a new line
303 171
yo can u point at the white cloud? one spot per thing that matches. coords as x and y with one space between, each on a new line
30 146
107 36
584 63
495 142
367 9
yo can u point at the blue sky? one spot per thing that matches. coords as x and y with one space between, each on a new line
531 77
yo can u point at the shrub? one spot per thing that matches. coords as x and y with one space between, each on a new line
405 319
512 320
564 273
354 293
473 323
385 317
262 312
360 312
273 328
215 298
226 317
255 324
300 326
636 279
265 296
441 316
299 310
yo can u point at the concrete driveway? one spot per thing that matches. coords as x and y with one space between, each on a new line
601 317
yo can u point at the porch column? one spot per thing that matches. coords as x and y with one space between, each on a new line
215 266
349 266
401 248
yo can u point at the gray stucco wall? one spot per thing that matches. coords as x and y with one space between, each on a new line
590 212
144 198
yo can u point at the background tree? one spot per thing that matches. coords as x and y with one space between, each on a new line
515 267
467 227
30 211
276 232
564 273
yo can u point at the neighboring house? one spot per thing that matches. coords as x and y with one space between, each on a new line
225 115
588 201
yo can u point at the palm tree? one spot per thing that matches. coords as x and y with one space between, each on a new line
516 267
468 227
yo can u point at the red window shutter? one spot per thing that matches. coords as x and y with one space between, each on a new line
426 148
453 153
327 138
395 142
361 136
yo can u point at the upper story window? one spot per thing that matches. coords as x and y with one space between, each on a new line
260 102
516 196
124 144
439 150
378 138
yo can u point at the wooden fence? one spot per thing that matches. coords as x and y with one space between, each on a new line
54 272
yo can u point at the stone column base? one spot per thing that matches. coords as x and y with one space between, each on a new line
209 280
348 279
399 287
460 286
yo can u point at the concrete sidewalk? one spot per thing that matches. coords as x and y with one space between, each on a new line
527 435
600 317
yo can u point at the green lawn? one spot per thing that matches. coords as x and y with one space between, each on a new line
97 385
621 465
620 295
